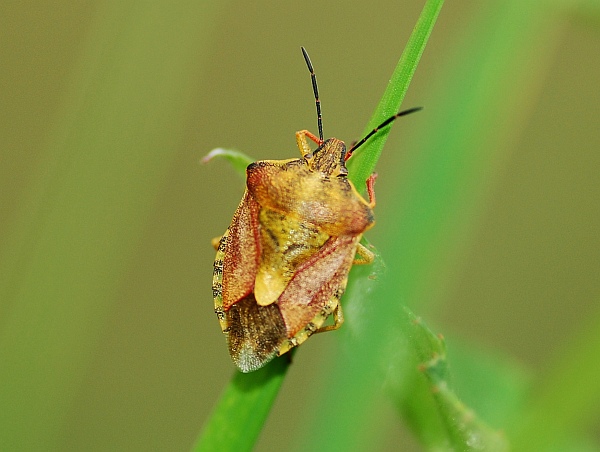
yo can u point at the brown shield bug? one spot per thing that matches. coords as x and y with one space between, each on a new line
283 263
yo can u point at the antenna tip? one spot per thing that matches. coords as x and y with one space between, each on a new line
307 59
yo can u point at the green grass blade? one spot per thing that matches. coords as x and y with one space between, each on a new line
238 418
436 413
362 164
494 386
442 190
238 160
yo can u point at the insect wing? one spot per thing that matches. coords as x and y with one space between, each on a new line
254 333
320 279
241 252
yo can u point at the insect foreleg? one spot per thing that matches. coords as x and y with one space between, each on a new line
303 144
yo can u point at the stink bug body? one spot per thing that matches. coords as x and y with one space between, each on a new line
283 263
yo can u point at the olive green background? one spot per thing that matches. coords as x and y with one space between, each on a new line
134 359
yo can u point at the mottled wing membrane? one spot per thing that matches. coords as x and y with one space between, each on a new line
254 333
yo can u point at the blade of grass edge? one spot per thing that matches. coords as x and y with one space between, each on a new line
440 417
248 399
361 165
238 160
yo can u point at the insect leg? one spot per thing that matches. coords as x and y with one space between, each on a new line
303 144
365 256
219 243
338 320
371 189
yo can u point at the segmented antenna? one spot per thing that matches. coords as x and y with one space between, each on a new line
380 126
313 78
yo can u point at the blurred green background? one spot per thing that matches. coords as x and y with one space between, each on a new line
108 339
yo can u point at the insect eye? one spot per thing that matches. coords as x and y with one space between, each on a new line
309 156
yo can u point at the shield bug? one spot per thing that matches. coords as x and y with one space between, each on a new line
282 265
